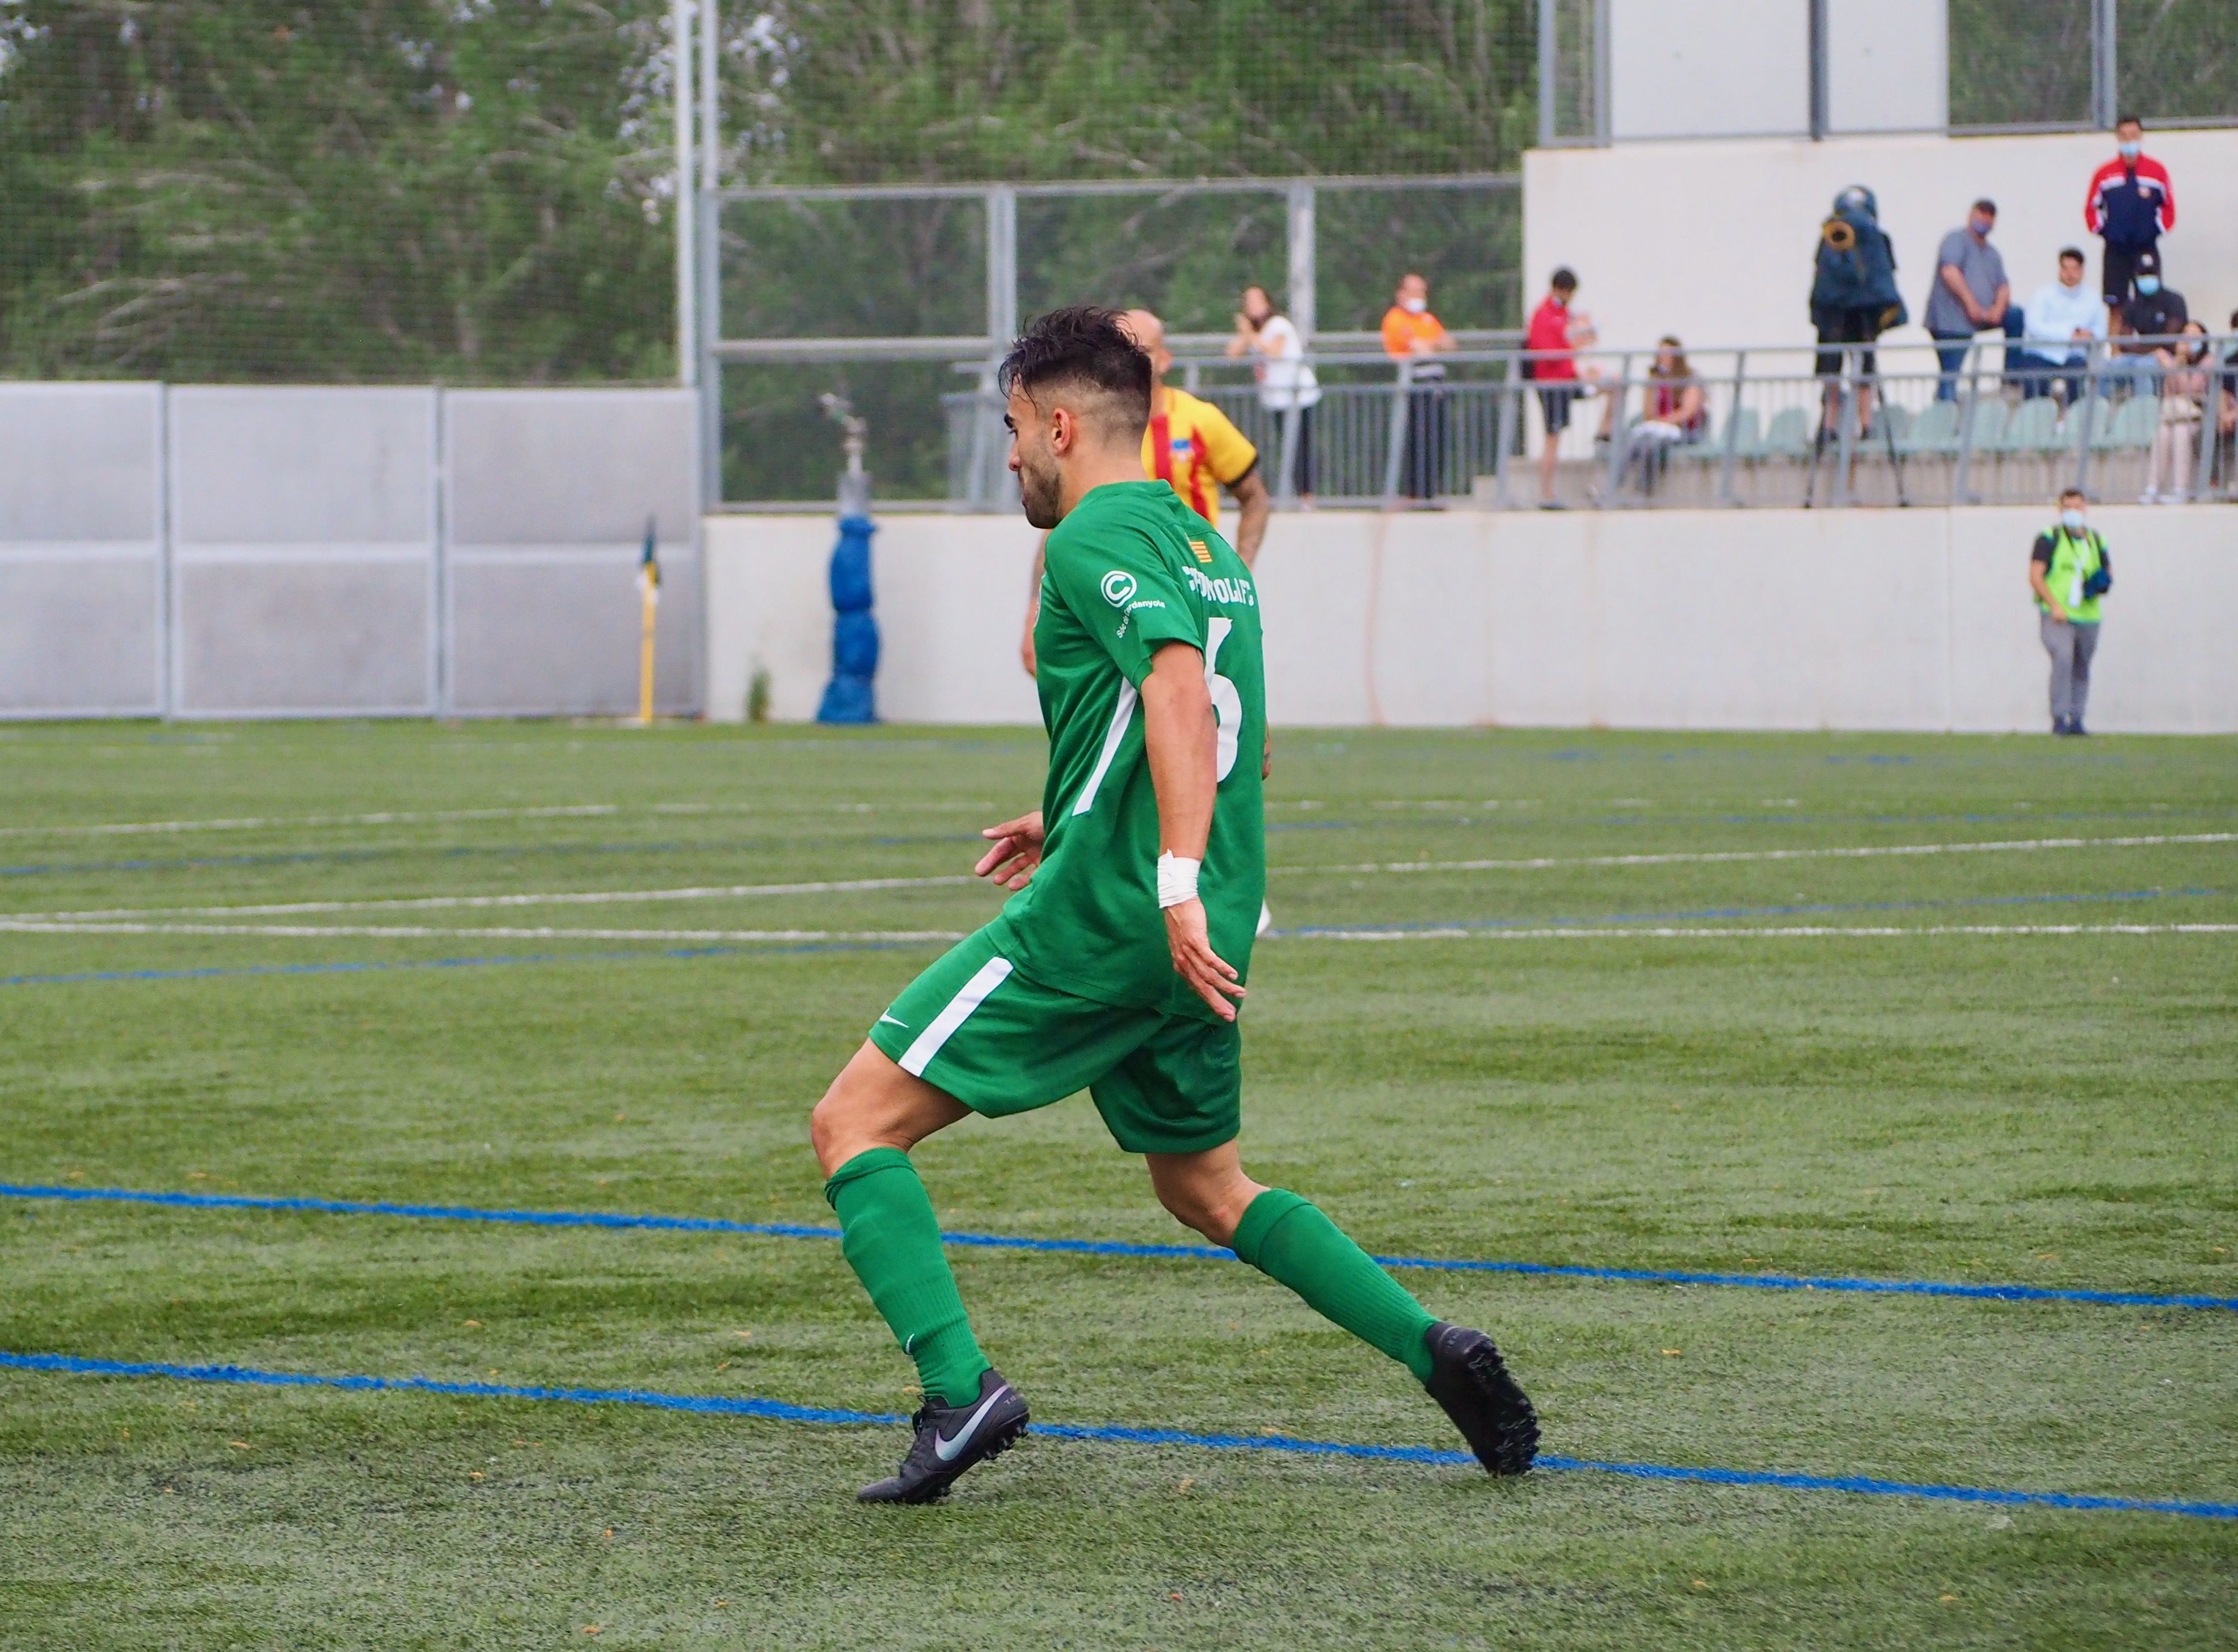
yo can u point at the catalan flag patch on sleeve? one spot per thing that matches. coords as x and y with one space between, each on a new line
1202 553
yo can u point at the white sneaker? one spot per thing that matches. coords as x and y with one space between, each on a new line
2150 496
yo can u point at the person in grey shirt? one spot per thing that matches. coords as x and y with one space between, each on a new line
1970 293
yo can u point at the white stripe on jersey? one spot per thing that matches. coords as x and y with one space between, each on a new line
1122 714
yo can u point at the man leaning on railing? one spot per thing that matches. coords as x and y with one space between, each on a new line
1416 337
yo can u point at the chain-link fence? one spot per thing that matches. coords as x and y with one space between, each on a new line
487 191
901 299
2003 65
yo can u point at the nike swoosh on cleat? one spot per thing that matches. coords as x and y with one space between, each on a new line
948 1450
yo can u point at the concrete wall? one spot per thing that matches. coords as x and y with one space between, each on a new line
1861 619
1705 68
1736 68
1714 241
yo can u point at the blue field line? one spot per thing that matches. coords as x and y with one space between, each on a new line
1307 931
493 961
779 1411
1110 1247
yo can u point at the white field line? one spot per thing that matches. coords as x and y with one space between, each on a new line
417 932
733 891
1785 930
423 817
1564 932
1867 851
21 921
259 822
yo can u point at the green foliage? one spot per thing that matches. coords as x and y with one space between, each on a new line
387 189
417 189
860 89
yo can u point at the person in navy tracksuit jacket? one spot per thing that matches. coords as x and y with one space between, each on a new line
2131 204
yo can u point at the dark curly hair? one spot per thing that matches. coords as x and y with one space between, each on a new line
1083 347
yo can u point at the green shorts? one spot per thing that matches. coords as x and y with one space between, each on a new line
1001 1044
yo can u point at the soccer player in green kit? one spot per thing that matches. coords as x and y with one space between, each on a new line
1118 965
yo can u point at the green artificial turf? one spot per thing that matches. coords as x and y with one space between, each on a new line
2055 1110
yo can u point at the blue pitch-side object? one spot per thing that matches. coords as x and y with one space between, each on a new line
617 1219
849 697
780 1411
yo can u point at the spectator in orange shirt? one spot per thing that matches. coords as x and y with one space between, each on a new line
1412 335
1194 448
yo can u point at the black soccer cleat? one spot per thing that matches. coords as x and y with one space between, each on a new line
949 1439
1468 1377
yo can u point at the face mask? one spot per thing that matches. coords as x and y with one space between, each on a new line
1414 306
1982 226
2148 285
2130 151
2072 520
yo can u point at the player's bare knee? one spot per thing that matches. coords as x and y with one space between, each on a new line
843 1124
1212 1207
1181 1203
825 1125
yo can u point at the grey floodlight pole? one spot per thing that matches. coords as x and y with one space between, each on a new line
1549 39
710 109
687 198
2105 63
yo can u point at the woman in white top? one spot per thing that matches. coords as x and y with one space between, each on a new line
1287 388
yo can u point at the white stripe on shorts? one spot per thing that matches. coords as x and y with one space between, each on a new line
991 975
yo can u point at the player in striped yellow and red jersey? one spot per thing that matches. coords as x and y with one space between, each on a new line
1194 448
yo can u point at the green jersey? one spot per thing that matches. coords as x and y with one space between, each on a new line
1130 570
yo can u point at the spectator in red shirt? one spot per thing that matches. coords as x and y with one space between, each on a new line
2131 204
1549 364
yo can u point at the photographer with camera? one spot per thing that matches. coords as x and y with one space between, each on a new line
1853 301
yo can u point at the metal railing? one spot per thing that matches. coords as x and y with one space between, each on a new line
875 290
1891 424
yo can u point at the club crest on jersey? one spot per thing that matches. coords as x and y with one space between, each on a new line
1118 587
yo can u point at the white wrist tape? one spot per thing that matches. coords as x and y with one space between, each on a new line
1177 879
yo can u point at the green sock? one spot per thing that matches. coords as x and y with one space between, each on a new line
1288 1240
892 1240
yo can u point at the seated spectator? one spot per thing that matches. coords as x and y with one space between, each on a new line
1675 412
2157 313
2226 415
1969 293
2141 327
2062 319
2184 373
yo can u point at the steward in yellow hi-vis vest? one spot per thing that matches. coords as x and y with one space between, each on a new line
2068 572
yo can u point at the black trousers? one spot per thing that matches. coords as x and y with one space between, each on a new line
1422 468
